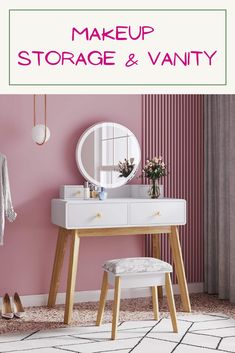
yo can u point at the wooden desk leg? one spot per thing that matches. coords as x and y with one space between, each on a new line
179 267
72 271
156 243
58 263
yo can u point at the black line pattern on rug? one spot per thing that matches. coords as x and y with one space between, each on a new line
54 346
214 349
84 338
182 343
211 329
194 345
110 350
204 320
139 327
204 334
162 339
120 323
29 335
217 347
61 347
64 349
113 350
48 337
12 341
69 347
108 339
182 338
215 315
145 335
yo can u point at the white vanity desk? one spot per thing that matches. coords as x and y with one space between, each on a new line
115 216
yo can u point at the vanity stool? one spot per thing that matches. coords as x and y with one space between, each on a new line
131 273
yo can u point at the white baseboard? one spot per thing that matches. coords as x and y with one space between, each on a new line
93 295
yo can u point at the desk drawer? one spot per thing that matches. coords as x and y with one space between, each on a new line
159 213
96 215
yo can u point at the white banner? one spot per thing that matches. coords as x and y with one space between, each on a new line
109 50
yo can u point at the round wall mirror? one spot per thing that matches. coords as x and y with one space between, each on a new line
108 155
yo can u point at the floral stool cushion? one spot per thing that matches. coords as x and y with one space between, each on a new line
136 265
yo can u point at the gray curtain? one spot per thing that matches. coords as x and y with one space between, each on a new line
219 195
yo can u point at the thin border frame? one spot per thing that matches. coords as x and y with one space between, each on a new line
117 84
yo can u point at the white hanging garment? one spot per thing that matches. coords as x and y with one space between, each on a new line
6 208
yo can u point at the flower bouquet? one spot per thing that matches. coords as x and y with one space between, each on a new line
125 168
154 169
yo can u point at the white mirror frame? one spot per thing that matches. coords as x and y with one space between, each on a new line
81 168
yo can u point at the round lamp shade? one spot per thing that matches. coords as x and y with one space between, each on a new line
38 133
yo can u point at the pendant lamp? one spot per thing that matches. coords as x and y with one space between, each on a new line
40 132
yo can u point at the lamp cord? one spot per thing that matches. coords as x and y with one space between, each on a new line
45 117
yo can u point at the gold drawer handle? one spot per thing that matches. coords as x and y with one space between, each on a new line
158 213
77 193
98 215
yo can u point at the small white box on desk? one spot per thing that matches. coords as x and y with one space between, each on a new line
72 192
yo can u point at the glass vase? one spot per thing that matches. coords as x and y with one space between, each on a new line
154 190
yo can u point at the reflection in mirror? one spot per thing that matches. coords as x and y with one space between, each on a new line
108 154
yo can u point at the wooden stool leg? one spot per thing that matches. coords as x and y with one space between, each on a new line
116 307
58 263
156 243
179 268
171 302
155 302
103 295
72 271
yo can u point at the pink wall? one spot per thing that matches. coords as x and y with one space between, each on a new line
173 128
35 176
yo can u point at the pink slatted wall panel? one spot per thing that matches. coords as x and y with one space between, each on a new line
173 128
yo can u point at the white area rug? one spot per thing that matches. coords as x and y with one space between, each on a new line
198 333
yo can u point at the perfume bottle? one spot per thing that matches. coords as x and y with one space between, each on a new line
102 194
94 192
86 190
